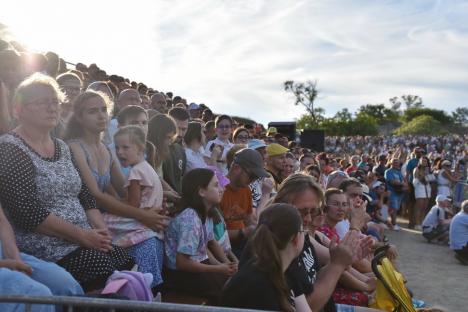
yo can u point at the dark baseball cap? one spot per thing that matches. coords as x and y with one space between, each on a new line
252 161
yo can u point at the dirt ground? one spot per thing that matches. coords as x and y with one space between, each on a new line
433 273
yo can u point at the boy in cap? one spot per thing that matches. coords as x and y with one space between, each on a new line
236 203
435 224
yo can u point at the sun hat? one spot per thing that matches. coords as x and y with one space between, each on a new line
275 149
256 143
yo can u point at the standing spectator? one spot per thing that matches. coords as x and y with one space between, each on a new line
459 234
397 186
410 198
379 170
445 178
422 177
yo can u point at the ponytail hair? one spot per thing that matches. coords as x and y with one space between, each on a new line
278 224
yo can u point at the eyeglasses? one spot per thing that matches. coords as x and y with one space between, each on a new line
44 103
242 137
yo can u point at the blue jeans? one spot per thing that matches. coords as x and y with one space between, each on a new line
47 279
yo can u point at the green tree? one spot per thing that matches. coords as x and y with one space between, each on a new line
423 124
343 115
439 115
305 94
379 112
460 116
409 100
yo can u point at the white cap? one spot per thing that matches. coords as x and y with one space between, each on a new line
441 198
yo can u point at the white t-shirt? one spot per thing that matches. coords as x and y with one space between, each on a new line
432 218
226 147
194 158
342 228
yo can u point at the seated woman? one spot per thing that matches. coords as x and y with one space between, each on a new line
27 275
101 172
189 236
54 216
261 283
318 269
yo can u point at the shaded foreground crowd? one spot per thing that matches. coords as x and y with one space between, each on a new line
99 175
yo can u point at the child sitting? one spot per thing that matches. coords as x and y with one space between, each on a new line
189 236
144 189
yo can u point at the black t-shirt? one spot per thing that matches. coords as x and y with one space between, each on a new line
174 167
250 288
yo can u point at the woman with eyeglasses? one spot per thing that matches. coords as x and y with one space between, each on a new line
241 136
52 210
316 271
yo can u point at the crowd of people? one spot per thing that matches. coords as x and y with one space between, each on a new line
99 174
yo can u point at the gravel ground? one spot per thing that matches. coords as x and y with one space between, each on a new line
432 272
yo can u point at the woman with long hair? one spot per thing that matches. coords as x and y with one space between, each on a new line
162 130
261 283
100 168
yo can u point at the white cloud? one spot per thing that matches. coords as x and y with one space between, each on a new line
235 55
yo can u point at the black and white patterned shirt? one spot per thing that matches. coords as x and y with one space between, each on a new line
32 187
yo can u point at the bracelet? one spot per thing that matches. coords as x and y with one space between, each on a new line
354 229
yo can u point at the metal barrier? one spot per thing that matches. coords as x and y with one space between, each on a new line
113 304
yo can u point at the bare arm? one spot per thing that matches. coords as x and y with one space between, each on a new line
149 218
55 226
134 193
117 178
95 219
217 251
184 263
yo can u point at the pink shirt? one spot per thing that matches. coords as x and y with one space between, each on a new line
127 232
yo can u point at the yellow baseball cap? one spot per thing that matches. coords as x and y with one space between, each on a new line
275 149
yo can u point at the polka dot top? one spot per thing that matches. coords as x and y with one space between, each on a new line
32 187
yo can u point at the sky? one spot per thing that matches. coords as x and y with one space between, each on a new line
235 55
